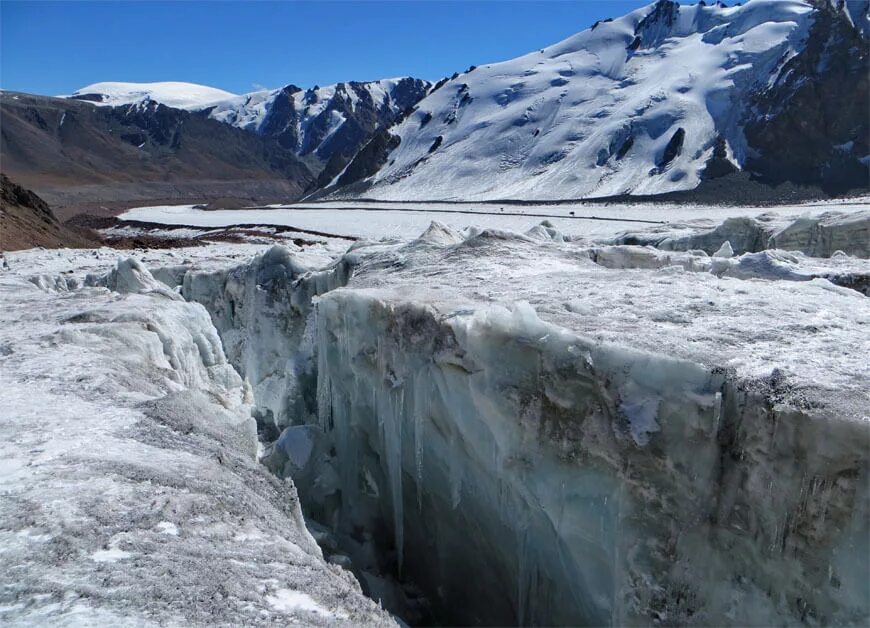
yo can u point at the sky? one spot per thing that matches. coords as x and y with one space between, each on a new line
55 48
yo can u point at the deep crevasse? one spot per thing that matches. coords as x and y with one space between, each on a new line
518 473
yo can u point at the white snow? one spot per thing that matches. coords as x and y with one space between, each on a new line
167 527
551 124
110 555
170 93
725 250
408 220
287 601
247 111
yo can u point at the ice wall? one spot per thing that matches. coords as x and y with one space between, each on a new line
260 310
483 466
530 476
816 236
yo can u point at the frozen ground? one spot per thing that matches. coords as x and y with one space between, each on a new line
493 425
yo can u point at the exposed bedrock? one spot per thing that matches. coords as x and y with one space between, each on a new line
504 470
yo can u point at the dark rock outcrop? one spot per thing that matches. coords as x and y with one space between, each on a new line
719 165
370 159
811 125
673 148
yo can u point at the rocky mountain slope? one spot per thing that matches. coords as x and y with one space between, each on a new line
26 221
74 153
660 100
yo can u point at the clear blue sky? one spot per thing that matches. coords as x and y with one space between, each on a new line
57 47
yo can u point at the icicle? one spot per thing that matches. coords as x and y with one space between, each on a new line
324 393
346 449
397 414
524 568
388 404
419 399
717 413
455 474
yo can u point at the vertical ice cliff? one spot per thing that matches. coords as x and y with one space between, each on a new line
260 310
583 484
508 464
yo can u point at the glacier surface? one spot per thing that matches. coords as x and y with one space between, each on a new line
600 434
484 425
131 491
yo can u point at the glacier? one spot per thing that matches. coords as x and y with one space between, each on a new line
482 403
131 491
485 426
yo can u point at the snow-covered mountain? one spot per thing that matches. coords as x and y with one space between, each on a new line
660 100
652 102
307 119
330 123
170 93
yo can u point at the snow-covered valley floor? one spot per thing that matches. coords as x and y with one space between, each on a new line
408 220
575 422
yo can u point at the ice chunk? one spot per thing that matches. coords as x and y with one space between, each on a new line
131 276
288 601
725 250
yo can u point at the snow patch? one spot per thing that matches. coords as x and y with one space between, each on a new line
170 93
289 601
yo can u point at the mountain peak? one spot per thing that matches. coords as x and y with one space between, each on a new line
638 105
176 94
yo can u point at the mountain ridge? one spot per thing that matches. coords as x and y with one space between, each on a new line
654 102
325 126
766 98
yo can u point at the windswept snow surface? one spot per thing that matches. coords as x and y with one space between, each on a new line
131 494
633 105
170 93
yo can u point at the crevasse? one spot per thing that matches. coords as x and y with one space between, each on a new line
487 467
